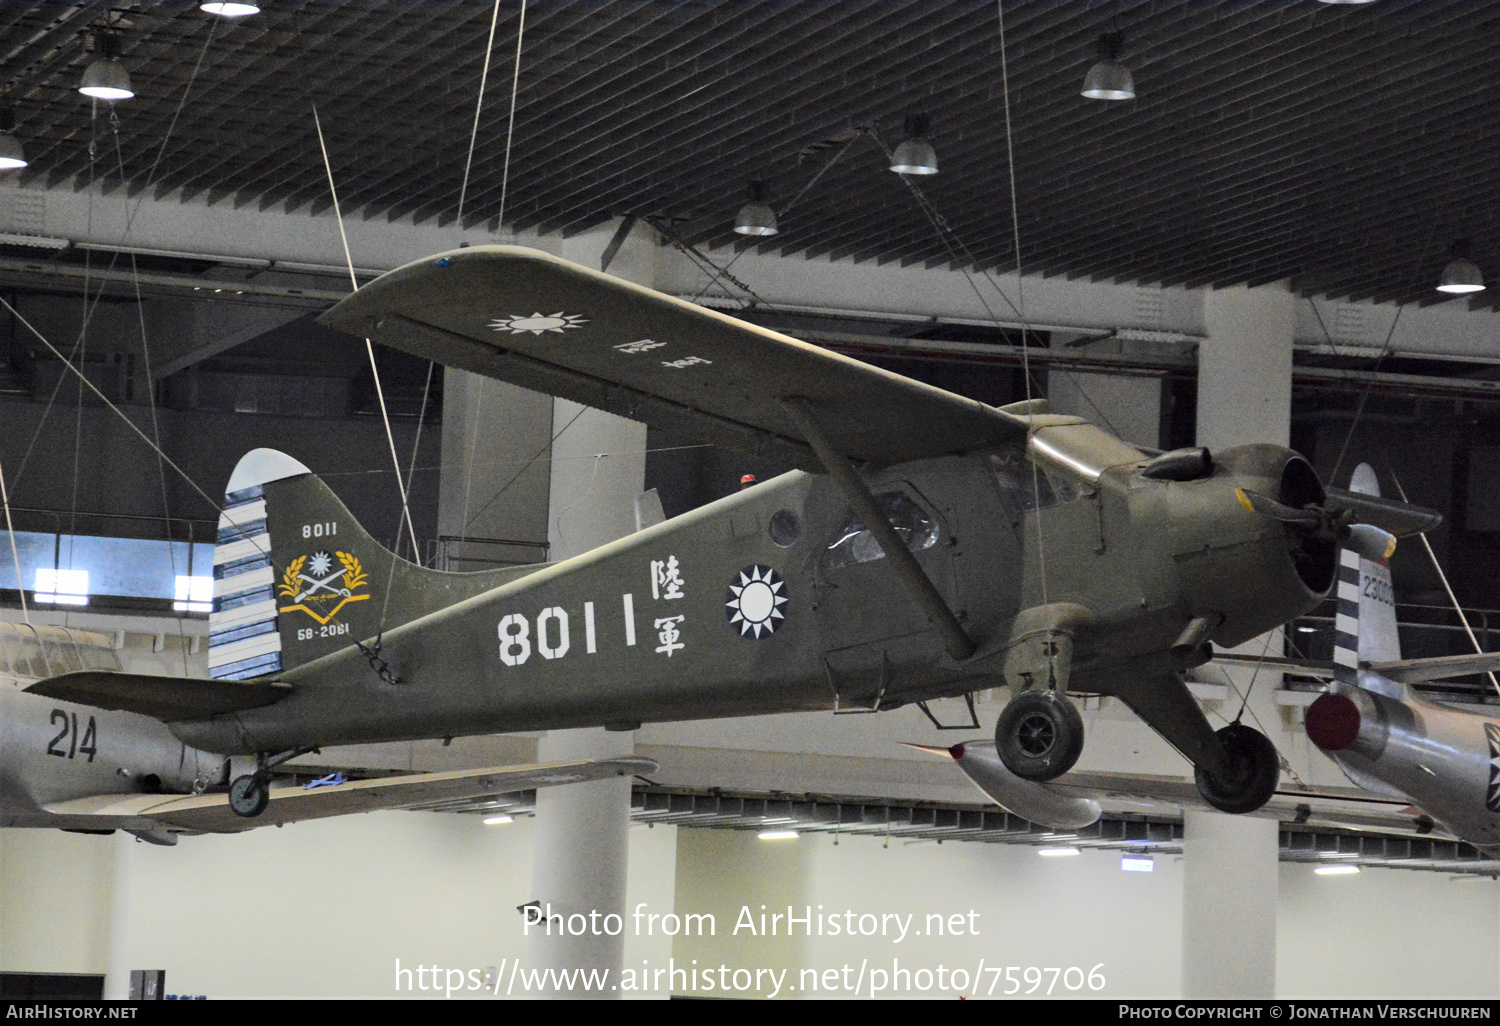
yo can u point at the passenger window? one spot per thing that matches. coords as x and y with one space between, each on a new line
854 544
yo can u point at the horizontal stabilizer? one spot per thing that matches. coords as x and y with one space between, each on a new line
1401 519
1413 671
1402 671
164 698
535 320
210 813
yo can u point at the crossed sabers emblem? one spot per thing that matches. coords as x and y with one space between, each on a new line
292 581
317 584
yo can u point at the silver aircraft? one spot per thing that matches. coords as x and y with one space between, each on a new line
89 769
1390 739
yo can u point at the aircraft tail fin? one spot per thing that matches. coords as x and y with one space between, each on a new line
296 577
1365 628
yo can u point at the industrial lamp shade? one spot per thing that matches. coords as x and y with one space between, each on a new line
1461 276
756 217
915 156
1109 80
12 155
106 79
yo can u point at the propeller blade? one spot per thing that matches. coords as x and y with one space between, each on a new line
1401 519
1370 542
1267 506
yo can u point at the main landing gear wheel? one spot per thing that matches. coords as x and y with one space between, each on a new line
1040 735
1255 770
249 796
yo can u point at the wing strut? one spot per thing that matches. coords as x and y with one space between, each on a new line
918 584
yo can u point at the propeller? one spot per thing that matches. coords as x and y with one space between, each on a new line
1320 521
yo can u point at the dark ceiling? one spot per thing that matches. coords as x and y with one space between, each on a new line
1341 146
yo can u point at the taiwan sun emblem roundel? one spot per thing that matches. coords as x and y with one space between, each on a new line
755 601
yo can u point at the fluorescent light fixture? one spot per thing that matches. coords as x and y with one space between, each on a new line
225 10
1137 863
194 594
1344 869
1304 629
777 835
498 820
63 587
1053 853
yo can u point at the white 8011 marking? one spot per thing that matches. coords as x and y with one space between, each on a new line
550 651
515 643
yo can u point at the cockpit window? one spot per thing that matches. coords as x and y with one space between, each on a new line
854 544
25 651
62 652
1025 486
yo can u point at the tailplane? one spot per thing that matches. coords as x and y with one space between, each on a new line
296 577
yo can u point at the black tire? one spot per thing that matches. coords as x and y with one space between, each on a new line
248 796
1255 771
1039 735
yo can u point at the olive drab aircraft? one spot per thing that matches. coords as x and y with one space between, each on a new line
919 545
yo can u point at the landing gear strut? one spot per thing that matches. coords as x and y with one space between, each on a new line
1039 735
250 794
1251 774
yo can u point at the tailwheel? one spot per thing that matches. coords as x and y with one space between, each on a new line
249 795
1039 735
1253 771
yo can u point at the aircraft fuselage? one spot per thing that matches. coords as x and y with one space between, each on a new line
773 600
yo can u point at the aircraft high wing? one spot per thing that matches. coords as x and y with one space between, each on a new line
923 546
631 351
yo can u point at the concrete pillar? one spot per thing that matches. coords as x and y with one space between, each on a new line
1230 862
1245 367
1126 405
598 469
1229 906
496 473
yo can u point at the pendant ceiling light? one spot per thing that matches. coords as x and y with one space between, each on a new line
12 153
1109 79
106 78
755 218
225 10
915 156
1461 275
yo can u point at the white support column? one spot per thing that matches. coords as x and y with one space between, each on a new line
598 469
1230 862
1229 875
